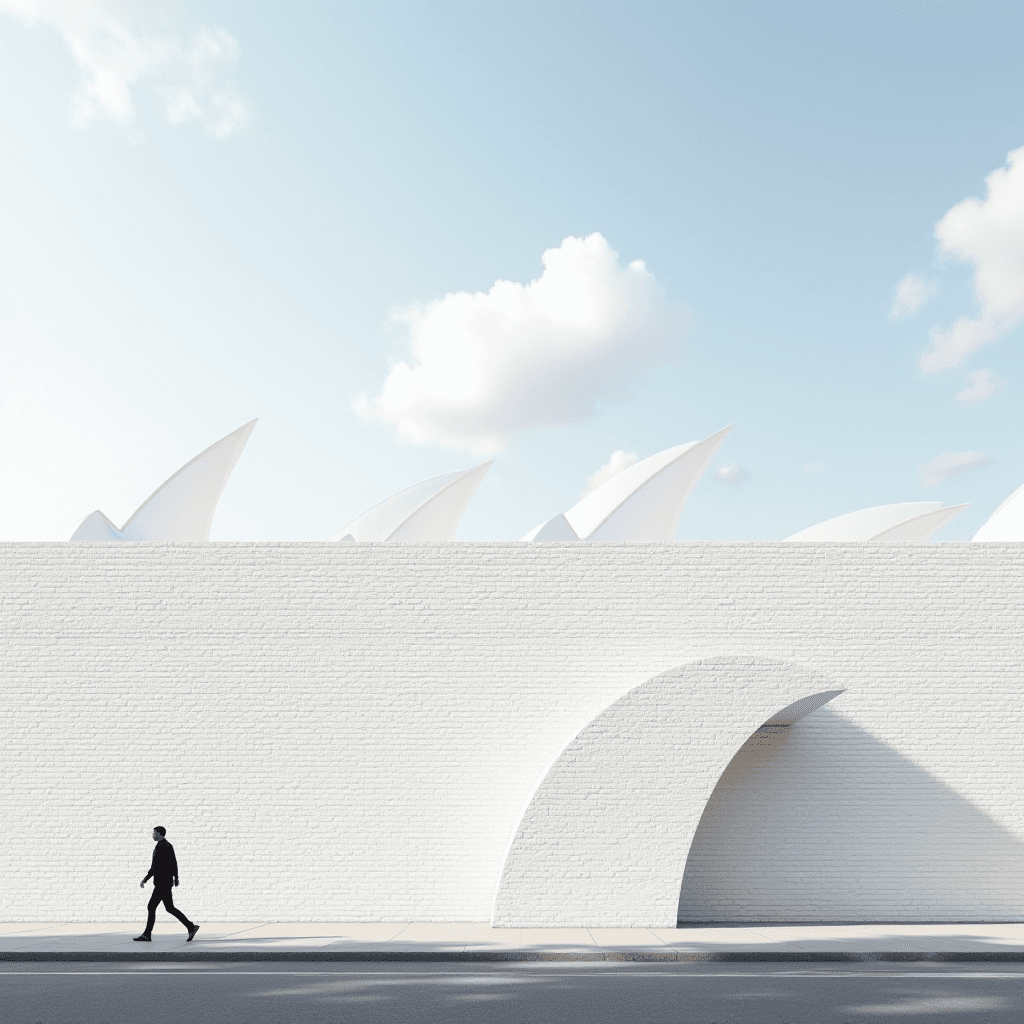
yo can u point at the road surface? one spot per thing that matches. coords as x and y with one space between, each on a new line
523 993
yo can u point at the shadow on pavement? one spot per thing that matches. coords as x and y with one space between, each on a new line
509 995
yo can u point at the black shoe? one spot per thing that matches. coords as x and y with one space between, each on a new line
192 932
143 938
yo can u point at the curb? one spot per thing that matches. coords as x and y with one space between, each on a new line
515 956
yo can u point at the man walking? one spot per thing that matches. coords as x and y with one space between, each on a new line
164 872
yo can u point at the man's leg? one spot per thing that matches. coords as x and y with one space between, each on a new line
172 909
154 902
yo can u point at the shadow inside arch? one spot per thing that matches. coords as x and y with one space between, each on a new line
821 821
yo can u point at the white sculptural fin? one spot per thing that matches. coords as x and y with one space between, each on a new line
1007 522
920 529
644 502
867 523
94 527
182 507
557 528
428 511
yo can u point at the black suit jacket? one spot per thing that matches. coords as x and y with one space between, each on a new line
164 869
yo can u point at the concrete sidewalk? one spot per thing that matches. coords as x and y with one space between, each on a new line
438 942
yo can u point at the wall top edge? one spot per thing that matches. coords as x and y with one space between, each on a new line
523 545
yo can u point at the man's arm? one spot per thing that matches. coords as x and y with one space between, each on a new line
174 865
152 864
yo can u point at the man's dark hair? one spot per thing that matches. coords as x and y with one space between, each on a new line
161 830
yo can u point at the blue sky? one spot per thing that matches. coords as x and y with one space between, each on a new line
215 211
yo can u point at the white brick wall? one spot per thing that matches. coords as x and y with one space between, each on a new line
350 732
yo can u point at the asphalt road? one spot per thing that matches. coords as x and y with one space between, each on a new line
530 993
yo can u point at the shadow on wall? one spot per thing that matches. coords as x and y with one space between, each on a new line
820 821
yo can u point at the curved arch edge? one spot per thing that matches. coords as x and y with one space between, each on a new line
603 837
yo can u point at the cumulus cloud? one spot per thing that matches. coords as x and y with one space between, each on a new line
981 384
617 462
911 294
989 234
483 366
118 44
950 464
732 475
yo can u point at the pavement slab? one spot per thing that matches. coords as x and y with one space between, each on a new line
471 939
320 935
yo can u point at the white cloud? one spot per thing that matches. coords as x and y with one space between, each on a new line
911 294
950 464
484 366
617 462
989 234
732 475
118 43
982 384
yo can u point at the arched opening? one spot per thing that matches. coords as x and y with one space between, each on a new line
604 837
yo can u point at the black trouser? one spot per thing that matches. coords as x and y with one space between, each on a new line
162 894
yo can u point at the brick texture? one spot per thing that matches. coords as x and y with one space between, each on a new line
351 732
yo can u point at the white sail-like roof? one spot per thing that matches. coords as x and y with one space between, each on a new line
557 528
641 503
909 522
95 526
920 528
182 507
1007 522
431 510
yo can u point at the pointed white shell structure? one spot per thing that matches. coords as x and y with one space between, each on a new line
909 522
95 527
557 528
1007 522
920 528
428 511
643 503
182 507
